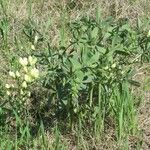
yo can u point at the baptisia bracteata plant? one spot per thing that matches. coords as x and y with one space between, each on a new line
18 89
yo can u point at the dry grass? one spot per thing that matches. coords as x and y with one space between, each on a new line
43 12
143 112
47 15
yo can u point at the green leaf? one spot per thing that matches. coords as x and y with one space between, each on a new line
94 58
80 75
89 79
101 49
65 102
75 64
106 35
94 32
135 83
121 52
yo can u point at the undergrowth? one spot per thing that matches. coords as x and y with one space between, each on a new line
72 94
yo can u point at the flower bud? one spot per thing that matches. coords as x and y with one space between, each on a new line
24 84
12 74
29 94
7 86
106 68
8 93
148 35
35 73
12 86
113 65
111 74
17 74
36 39
21 92
122 72
23 61
32 47
27 78
32 60
25 69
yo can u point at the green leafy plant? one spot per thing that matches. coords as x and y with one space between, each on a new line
83 76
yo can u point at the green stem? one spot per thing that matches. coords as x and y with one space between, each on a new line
91 95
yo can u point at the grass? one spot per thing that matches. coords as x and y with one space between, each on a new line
83 95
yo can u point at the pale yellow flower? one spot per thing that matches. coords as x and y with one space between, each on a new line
24 84
34 73
29 94
106 68
32 60
32 47
113 65
23 61
21 92
8 93
122 72
17 74
28 78
12 74
12 86
25 69
7 86
111 74
148 35
36 39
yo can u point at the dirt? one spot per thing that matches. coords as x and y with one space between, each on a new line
144 109
144 121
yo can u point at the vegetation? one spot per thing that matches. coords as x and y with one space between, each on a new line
77 87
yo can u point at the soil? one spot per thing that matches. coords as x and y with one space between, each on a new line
144 121
144 110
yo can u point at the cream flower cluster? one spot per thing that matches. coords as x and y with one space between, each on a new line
26 75
148 34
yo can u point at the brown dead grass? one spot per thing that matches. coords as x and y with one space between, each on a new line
51 10
143 112
43 11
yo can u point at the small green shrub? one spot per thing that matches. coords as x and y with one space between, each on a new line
88 78
84 75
